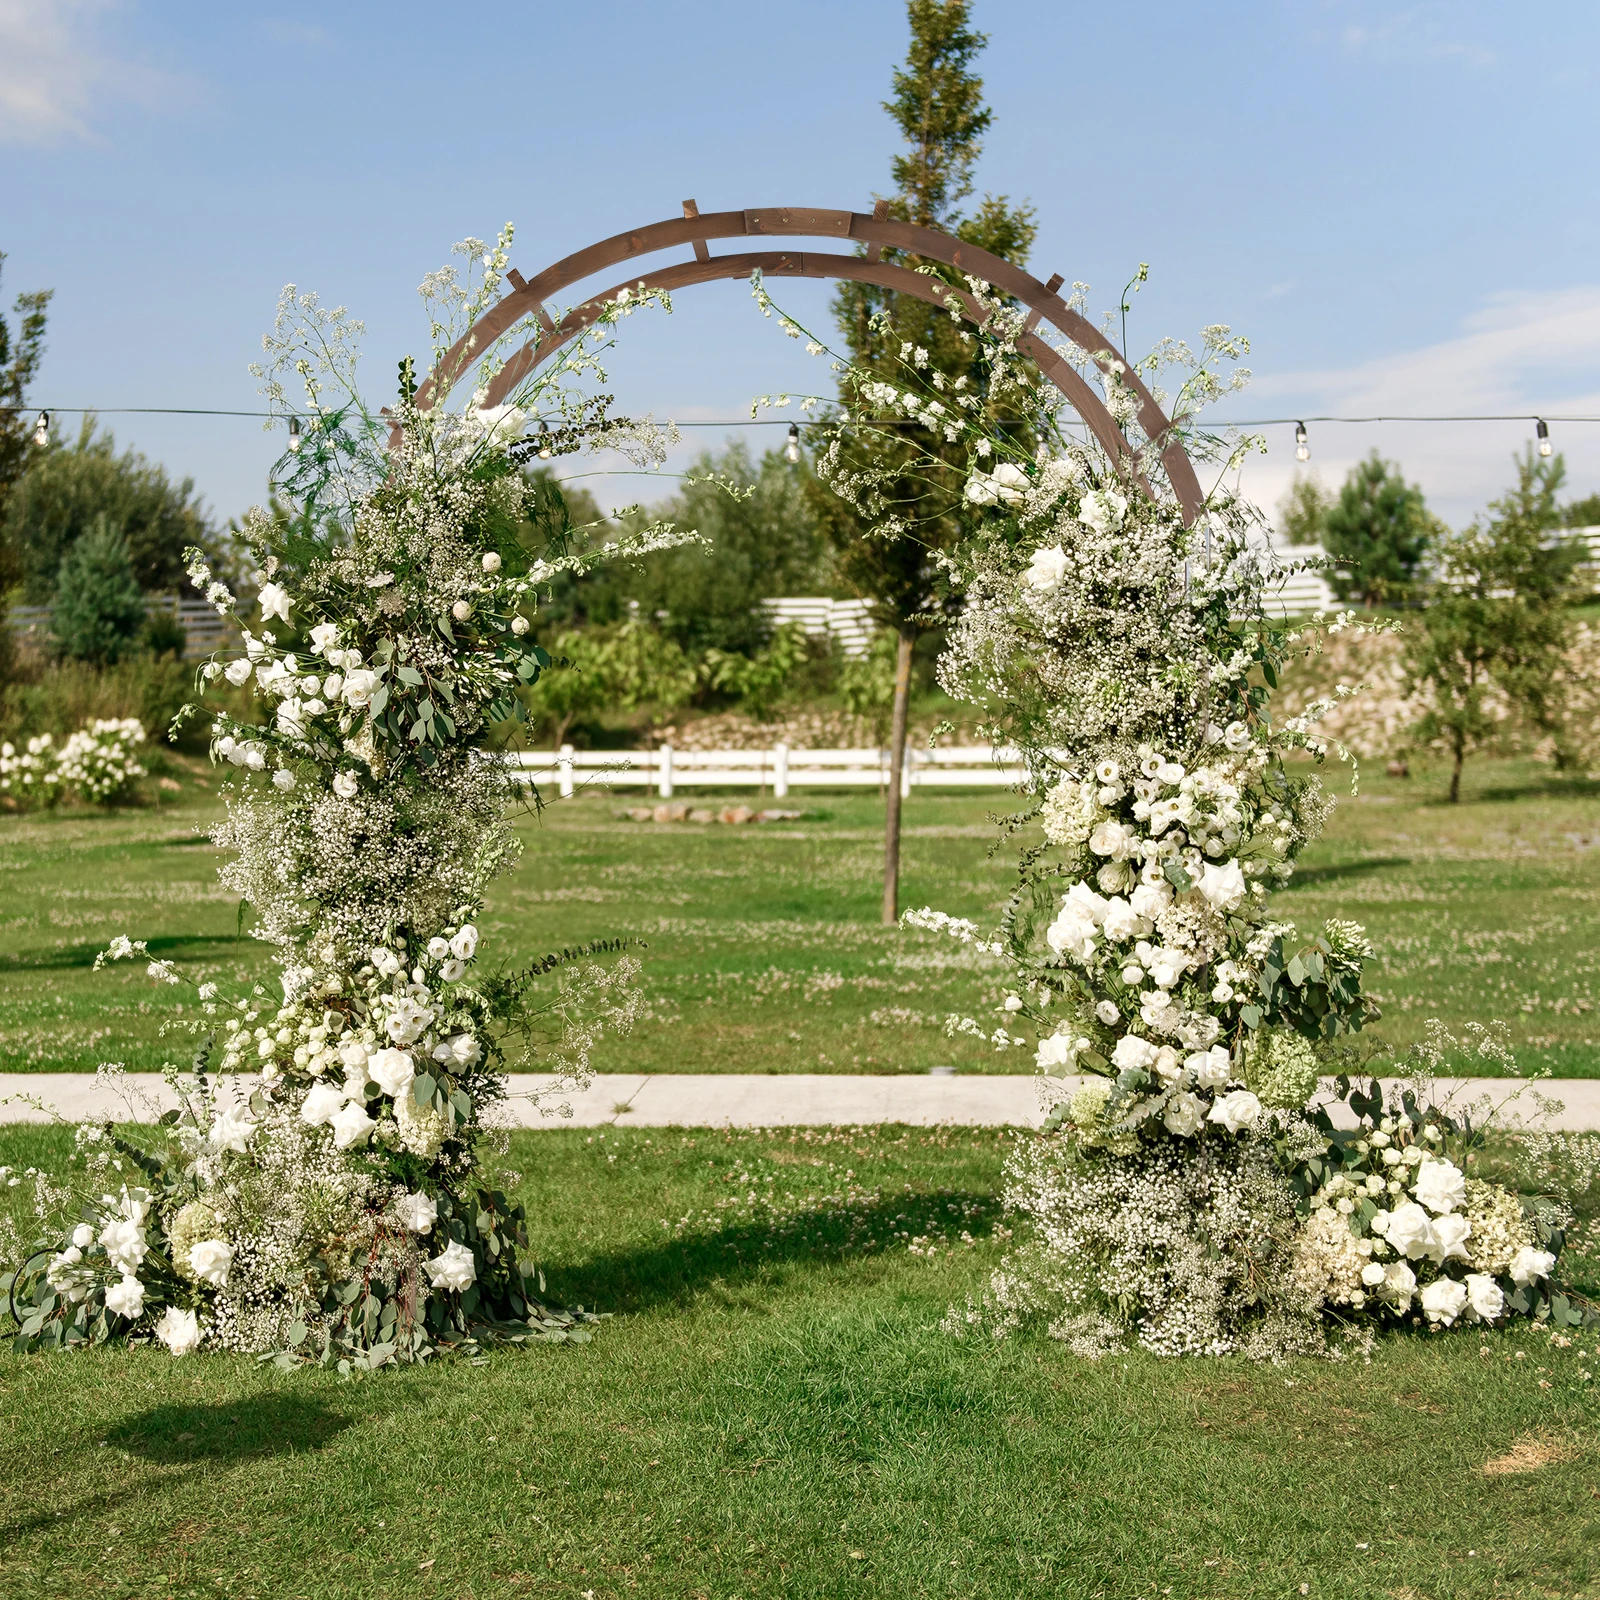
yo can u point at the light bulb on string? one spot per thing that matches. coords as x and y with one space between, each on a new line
41 430
1302 450
545 451
792 449
294 434
1542 429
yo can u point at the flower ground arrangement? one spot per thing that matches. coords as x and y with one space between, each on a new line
336 1208
1187 1194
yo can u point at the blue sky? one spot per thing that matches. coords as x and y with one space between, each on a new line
1395 202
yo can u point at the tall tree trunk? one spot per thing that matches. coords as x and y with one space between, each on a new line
1455 772
897 761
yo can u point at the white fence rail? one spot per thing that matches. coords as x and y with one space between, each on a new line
203 630
781 769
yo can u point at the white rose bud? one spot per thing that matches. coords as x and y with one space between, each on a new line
491 561
461 610
519 626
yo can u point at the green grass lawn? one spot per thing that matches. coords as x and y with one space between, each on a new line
772 1411
764 947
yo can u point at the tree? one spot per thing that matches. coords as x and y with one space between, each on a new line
65 489
1377 533
1497 618
99 608
20 354
938 106
1303 511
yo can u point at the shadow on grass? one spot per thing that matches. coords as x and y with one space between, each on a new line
198 1439
80 956
1338 872
1548 786
677 1268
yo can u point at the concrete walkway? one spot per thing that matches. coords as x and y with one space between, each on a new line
738 1100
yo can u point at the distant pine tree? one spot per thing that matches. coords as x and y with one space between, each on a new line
99 607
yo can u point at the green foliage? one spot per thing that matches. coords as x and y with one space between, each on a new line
71 694
1303 511
1584 513
99 609
1498 619
619 667
20 354
760 679
65 490
1377 533
866 682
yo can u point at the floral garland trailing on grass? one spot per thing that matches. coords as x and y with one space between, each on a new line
337 1209
1187 1194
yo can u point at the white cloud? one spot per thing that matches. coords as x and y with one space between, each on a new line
1524 354
52 75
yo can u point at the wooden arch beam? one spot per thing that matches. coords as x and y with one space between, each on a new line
528 297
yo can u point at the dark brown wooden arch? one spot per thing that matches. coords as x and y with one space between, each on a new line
877 232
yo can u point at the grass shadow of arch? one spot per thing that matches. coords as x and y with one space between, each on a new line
176 947
223 1432
675 1270
1336 872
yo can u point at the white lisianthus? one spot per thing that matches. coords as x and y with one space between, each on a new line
407 1021
237 671
1166 966
460 1051
1484 1296
210 1260
455 1269
1072 933
1235 1110
283 779
274 602
1443 1300
465 943
178 1330
392 1070
233 1129
1441 1186
83 1236
351 1126
346 785
324 637
322 1103
417 1212
438 948
1528 1264
1122 922
1103 510
359 688
452 971
1106 1011
1151 899
126 1298
1047 569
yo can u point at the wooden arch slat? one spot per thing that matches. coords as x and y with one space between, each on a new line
528 300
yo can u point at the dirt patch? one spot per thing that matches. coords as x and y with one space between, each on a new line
1529 1453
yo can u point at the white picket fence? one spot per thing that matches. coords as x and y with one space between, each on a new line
203 630
780 769
847 623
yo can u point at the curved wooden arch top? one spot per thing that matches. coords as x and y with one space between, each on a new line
528 296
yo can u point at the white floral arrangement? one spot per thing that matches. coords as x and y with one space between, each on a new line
1187 1193
98 764
320 1193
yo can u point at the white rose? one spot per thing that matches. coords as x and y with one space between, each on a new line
461 1049
1398 1283
353 1053
233 1129
455 1269
386 961
346 786
1444 1300
1048 569
1122 922
359 687
322 1103
1235 1110
1056 1051
324 637
1224 886
126 1298
1133 1053
1157 1010
1372 1274
392 1070
1484 1296
417 1212
83 1236
1107 1013
1528 1264
1451 1232
1110 838
274 601
178 1330
1210 1069
1072 933
465 944
1184 1114
210 1260
237 671
1151 899
283 779
1441 1186
1410 1231
351 1126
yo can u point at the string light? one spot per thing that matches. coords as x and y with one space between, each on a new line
41 430
792 449
294 434
1542 429
1302 450
545 451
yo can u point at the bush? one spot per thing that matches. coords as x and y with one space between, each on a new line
97 764
99 609
72 693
